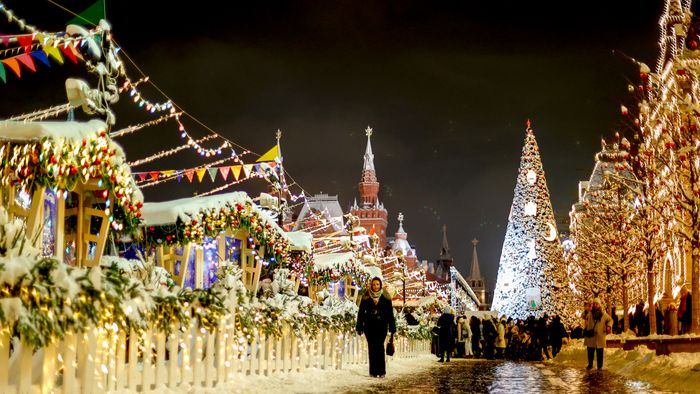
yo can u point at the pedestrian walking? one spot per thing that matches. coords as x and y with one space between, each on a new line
465 336
374 319
598 325
447 334
557 333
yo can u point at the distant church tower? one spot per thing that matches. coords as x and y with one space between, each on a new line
444 262
371 212
475 280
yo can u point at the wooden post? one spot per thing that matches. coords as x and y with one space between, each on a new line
147 375
173 353
25 369
120 376
196 358
221 351
4 357
161 374
132 378
48 372
209 366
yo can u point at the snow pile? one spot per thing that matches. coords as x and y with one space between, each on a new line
677 371
313 380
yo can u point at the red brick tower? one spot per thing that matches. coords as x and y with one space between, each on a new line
372 215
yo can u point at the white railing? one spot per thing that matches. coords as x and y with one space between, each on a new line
102 360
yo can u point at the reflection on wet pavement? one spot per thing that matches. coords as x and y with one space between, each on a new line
482 376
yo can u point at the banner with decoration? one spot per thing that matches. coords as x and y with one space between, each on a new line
237 172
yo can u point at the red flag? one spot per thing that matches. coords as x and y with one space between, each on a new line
189 174
68 51
224 171
154 175
142 176
26 59
26 42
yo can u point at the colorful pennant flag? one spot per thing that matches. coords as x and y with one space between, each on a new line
68 52
246 169
26 59
270 155
142 176
212 173
90 16
41 56
189 174
236 171
2 73
200 174
224 171
13 65
54 53
154 175
25 42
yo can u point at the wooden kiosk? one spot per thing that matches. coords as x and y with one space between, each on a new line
191 236
69 183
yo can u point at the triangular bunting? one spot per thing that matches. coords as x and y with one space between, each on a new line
212 173
25 42
54 53
41 56
77 53
68 52
270 155
272 164
142 176
13 65
246 169
90 16
224 171
168 173
5 40
179 177
27 61
154 175
200 174
257 169
236 171
189 174
2 73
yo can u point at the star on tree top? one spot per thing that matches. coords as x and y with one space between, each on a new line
368 131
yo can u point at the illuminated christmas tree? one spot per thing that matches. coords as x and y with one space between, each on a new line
531 254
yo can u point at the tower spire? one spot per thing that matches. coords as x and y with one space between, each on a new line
445 250
369 156
475 272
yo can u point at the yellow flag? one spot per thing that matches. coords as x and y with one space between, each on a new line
270 155
200 174
236 171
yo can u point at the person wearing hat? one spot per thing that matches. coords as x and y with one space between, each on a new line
598 325
374 319
447 334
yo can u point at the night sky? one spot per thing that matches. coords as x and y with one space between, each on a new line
447 88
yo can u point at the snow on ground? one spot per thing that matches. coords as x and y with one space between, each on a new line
314 380
676 372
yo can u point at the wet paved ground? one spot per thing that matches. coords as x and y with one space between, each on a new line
481 376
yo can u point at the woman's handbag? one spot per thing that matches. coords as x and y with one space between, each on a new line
590 333
390 347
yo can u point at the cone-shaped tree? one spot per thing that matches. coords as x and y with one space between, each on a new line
531 249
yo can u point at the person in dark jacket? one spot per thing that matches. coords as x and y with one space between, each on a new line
475 325
447 335
374 319
685 310
557 332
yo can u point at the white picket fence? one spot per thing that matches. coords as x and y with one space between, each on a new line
105 361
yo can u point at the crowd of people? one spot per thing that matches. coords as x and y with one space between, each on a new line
493 338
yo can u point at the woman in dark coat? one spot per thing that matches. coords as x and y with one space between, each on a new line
374 319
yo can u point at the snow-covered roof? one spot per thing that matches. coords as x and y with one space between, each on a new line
167 212
329 260
33 131
299 240
327 206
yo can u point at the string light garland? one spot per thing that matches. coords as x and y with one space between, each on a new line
137 98
137 127
168 152
43 114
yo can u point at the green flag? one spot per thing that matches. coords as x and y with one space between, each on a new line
91 16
